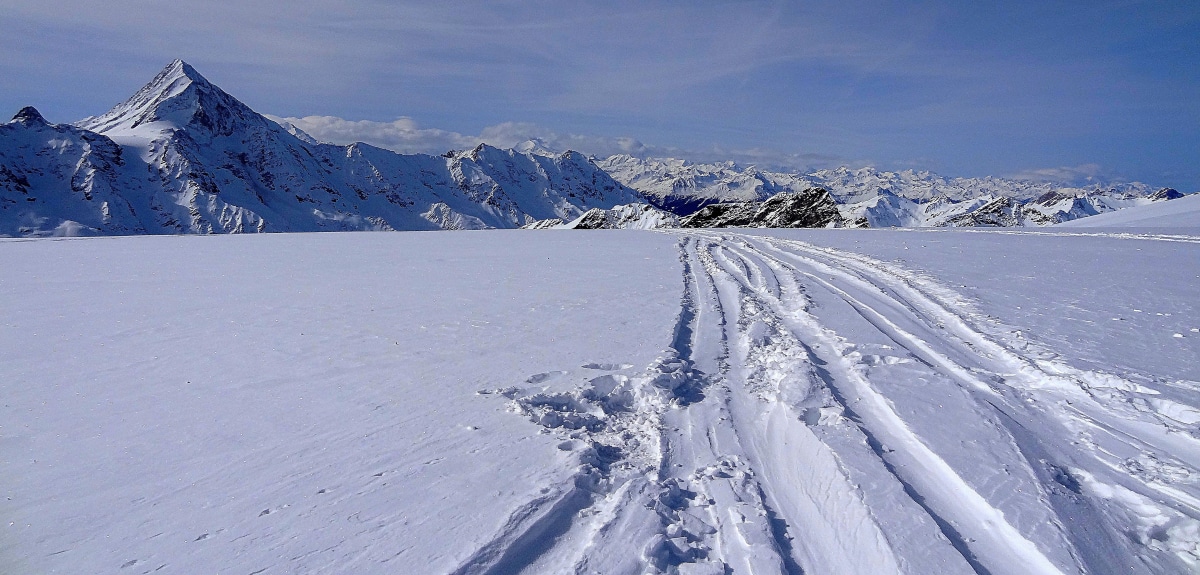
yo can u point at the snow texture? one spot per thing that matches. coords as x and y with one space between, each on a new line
1179 213
681 401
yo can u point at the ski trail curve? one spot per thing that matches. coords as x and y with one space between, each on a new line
819 411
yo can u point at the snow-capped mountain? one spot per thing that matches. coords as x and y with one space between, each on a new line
183 156
684 187
868 197
59 179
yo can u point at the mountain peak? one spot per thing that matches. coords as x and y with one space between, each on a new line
177 97
537 147
29 115
177 71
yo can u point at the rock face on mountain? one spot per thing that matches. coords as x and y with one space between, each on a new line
1001 212
812 208
626 217
183 156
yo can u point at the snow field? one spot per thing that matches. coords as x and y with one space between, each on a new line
161 393
800 401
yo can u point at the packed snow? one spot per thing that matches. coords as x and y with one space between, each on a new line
679 401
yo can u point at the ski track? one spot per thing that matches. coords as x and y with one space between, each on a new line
820 411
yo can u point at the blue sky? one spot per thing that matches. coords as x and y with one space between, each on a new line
1044 89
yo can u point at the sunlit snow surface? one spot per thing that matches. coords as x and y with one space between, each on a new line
1181 213
800 401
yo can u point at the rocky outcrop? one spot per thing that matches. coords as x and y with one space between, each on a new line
811 208
1000 212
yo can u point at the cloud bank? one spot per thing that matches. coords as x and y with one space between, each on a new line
406 136
1080 175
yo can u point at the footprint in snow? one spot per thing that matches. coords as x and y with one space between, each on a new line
884 359
544 377
607 366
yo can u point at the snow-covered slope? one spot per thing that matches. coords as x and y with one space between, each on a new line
61 180
196 160
775 401
1178 213
873 198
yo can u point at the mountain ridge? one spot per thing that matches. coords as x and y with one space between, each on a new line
194 159
183 156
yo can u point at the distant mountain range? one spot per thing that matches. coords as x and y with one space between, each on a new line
868 197
183 156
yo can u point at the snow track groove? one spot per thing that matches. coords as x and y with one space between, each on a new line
819 411
975 527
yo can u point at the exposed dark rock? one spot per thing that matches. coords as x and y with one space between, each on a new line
1000 212
29 115
593 219
1166 194
811 208
1050 198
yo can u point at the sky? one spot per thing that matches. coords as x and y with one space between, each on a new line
1054 90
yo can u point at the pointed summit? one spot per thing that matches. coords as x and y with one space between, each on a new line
180 67
179 97
29 115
